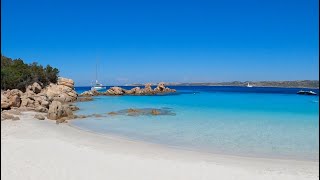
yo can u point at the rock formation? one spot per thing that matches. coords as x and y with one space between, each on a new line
58 111
63 91
116 91
144 112
10 98
52 99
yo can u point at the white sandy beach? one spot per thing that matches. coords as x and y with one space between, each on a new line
37 150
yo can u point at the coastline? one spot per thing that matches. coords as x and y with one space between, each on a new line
194 150
62 151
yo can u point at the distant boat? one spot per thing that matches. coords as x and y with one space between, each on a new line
97 86
248 85
306 92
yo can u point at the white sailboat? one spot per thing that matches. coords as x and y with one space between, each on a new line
97 86
248 85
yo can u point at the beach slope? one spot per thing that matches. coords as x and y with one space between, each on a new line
35 150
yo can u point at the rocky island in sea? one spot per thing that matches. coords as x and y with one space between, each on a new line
117 91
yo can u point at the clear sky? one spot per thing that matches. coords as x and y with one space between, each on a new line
165 40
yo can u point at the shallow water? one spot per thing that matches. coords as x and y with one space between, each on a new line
262 122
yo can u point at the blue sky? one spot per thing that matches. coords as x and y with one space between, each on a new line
176 41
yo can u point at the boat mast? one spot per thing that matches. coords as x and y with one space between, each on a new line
96 72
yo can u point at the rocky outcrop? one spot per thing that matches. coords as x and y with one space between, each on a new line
162 89
86 94
147 90
116 91
38 98
59 111
66 82
91 93
55 110
60 92
135 90
10 98
53 100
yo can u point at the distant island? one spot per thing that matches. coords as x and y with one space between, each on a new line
288 84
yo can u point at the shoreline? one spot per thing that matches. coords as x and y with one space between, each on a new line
183 148
57 147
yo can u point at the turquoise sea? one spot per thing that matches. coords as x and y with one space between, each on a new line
255 122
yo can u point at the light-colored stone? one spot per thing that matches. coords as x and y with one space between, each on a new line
60 93
39 117
66 82
15 101
55 110
115 91
36 88
5 105
41 109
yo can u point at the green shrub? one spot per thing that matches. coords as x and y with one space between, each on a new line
15 74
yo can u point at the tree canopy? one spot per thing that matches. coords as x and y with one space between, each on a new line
15 74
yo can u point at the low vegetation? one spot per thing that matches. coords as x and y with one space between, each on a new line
15 74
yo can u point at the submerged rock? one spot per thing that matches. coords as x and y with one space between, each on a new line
85 98
145 111
112 113
155 112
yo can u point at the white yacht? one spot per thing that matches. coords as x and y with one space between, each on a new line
97 86
248 85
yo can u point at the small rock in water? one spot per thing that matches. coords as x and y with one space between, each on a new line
82 116
155 112
112 113
133 110
146 111
85 98
97 115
